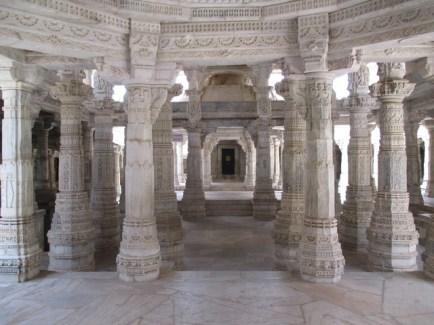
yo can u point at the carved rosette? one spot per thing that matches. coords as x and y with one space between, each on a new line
139 256
288 225
20 251
392 234
193 201
321 258
72 234
357 209
105 211
166 207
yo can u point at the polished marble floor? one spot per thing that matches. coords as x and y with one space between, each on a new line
219 297
228 280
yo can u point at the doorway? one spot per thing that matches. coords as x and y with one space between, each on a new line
228 161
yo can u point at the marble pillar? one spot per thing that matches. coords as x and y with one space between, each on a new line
166 206
321 258
392 234
87 156
193 201
412 119
429 124
72 232
19 246
264 200
359 203
117 151
139 255
288 225
104 208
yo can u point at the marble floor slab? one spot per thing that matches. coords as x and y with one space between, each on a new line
219 298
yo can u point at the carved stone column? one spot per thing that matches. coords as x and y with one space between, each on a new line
139 256
175 164
411 126
429 124
321 258
166 206
288 225
264 200
193 201
72 233
276 175
392 234
105 210
19 247
359 203
87 156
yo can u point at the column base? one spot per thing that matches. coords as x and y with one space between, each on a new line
192 206
72 234
19 262
392 235
264 205
138 269
355 220
169 226
108 232
321 259
139 257
428 268
287 232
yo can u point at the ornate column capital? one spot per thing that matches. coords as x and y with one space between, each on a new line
145 102
391 86
71 89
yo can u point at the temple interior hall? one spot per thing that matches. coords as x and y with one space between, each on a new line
217 162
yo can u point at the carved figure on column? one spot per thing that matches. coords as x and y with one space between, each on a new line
105 211
392 234
20 251
358 206
288 225
166 206
72 233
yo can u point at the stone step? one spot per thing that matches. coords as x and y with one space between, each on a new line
235 208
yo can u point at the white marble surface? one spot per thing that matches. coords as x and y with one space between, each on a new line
219 297
228 195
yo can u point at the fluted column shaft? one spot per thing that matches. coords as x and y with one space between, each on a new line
193 201
411 126
139 255
288 225
166 206
19 248
358 206
105 211
72 233
392 234
321 258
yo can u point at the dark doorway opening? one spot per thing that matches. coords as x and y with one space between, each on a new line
228 161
